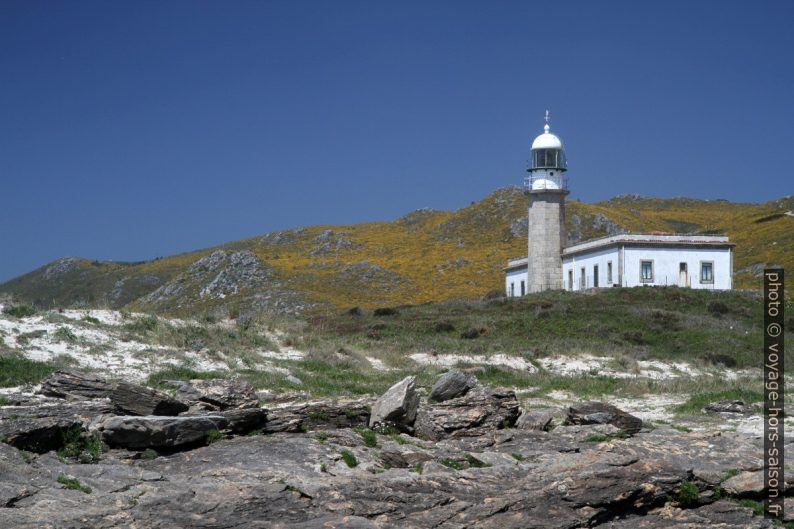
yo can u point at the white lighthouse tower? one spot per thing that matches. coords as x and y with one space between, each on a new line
546 187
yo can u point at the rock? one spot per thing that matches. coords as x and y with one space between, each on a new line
403 456
69 383
244 420
750 484
452 384
38 435
478 412
601 413
319 415
132 399
535 420
729 406
159 432
397 406
221 393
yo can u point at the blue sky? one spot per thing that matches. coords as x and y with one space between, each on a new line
130 130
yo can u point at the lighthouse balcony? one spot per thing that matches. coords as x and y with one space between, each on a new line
546 181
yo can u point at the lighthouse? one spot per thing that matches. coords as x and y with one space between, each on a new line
546 188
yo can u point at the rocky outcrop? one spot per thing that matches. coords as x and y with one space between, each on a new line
319 415
132 399
476 413
601 413
37 434
729 406
73 384
217 394
535 420
397 407
452 384
160 432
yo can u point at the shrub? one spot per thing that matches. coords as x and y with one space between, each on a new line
452 463
214 436
517 456
321 437
688 494
443 326
349 459
385 311
149 454
717 307
471 334
370 438
91 319
19 311
77 444
65 334
73 484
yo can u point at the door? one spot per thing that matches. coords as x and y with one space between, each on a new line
683 276
595 276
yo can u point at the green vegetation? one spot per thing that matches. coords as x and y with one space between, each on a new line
149 454
16 370
454 464
321 437
349 459
19 311
91 320
756 506
423 256
77 444
517 456
369 437
694 405
213 436
181 373
476 463
688 494
4 401
24 338
73 484
65 334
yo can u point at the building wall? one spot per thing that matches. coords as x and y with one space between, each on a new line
514 277
588 261
666 266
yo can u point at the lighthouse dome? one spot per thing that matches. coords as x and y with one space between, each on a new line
547 140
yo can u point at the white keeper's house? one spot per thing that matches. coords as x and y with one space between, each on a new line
625 260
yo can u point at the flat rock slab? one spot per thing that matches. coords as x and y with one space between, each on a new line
65 384
602 413
319 415
37 434
220 394
132 399
159 432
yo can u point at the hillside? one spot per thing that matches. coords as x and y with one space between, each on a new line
423 256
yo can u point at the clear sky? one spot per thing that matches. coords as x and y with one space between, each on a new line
134 129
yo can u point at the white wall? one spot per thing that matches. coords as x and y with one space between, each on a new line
666 266
589 260
514 277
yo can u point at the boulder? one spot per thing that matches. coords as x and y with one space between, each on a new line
396 407
729 406
159 432
535 420
602 413
452 384
319 415
132 399
64 384
244 420
219 393
38 435
478 412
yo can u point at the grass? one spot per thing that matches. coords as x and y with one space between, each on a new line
213 436
688 494
65 334
4 401
602 438
19 311
76 443
15 370
370 438
181 373
349 459
694 405
73 484
517 456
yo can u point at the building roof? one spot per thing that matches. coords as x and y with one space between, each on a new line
637 239
651 239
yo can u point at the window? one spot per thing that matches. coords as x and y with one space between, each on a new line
581 279
646 271
523 288
570 279
706 272
609 273
595 276
512 290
